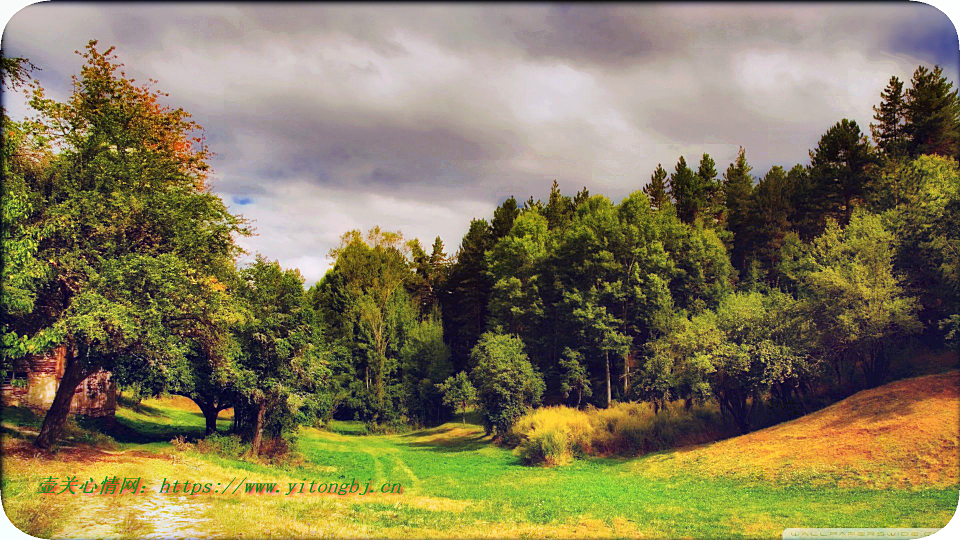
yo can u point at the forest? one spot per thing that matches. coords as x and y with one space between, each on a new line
783 289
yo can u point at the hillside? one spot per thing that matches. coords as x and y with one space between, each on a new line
902 434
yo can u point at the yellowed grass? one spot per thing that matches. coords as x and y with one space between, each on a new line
902 434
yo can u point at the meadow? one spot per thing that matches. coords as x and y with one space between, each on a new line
457 483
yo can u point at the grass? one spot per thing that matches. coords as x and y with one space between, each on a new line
457 484
555 435
902 434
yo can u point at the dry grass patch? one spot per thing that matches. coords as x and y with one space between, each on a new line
904 434
556 435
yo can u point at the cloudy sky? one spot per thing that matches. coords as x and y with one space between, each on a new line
418 118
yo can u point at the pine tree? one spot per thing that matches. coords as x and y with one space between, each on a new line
889 131
839 171
683 187
932 114
503 218
771 218
737 187
710 204
559 209
657 188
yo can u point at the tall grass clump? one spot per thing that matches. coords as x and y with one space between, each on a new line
552 435
556 435
228 446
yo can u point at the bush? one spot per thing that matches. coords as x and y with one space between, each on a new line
222 445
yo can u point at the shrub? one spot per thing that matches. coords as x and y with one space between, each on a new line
222 445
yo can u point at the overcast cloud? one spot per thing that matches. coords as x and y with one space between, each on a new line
418 118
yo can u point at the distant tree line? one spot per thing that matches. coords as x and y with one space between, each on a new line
701 286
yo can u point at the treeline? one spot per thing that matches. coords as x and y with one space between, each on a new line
702 286
727 287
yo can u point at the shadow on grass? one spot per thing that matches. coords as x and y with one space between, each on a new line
897 399
451 445
21 416
454 436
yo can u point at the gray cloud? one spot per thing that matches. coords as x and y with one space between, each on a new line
419 117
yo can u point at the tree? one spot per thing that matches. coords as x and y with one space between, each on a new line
751 344
889 133
507 385
467 292
712 208
840 171
737 189
424 363
657 188
375 269
273 341
683 189
932 114
854 297
927 227
559 208
514 264
24 159
503 218
574 376
458 392
599 331
771 221
132 235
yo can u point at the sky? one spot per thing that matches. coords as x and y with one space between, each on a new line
419 118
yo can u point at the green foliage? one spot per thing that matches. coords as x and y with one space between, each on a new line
889 132
932 114
737 189
770 223
573 376
279 367
467 291
840 173
458 392
657 189
425 362
113 200
752 344
507 385
923 201
854 297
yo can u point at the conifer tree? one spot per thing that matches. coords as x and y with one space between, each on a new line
737 187
889 131
657 189
932 114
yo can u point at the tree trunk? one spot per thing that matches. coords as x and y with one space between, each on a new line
73 374
626 377
258 429
608 379
210 414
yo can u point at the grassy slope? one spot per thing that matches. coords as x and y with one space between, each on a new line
456 484
902 434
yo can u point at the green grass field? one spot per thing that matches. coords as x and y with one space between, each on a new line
455 484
